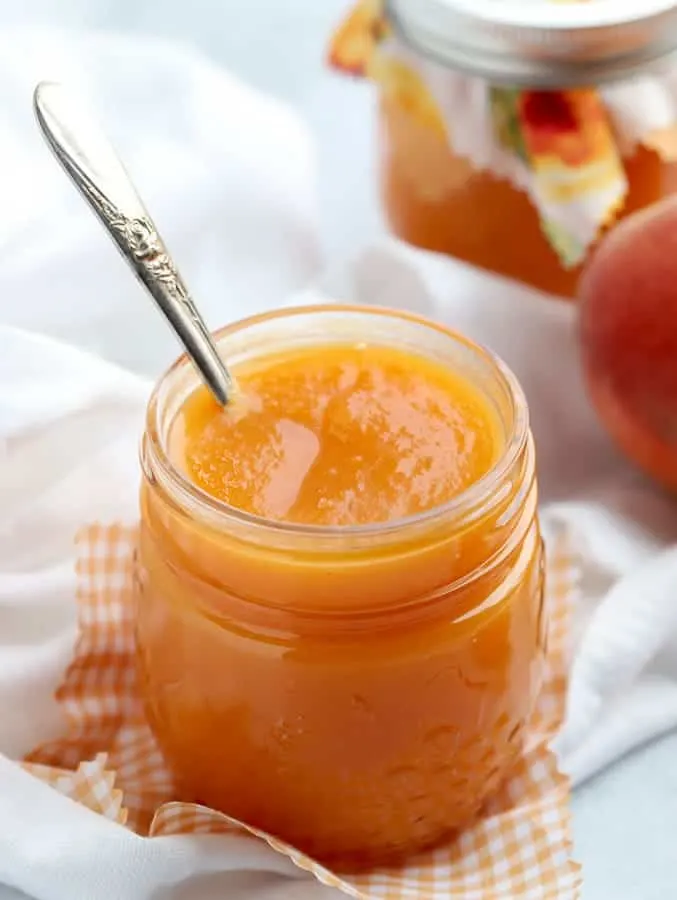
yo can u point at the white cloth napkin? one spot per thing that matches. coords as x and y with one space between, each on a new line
237 207
228 174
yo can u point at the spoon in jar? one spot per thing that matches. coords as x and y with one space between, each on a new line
88 158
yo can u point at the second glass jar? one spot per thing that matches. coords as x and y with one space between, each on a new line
519 178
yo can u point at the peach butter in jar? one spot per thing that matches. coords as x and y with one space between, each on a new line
513 135
340 619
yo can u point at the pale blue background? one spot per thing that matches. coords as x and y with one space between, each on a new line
626 819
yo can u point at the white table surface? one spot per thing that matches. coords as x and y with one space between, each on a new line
625 819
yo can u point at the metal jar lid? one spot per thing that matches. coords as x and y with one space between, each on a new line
540 43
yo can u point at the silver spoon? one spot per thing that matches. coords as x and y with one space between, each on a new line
95 169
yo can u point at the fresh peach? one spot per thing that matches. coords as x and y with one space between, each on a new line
628 327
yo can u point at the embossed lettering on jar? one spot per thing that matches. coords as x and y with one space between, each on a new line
357 691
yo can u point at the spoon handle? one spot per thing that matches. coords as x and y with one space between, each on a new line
88 158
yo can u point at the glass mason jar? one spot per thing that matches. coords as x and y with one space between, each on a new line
356 691
493 149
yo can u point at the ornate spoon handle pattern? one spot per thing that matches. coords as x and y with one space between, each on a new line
95 169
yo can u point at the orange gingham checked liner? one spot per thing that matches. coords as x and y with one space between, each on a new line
109 761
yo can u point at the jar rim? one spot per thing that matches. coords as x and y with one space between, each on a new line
470 503
539 45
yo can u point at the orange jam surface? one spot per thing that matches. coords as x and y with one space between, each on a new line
356 698
339 435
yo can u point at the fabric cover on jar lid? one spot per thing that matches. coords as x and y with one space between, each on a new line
543 43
